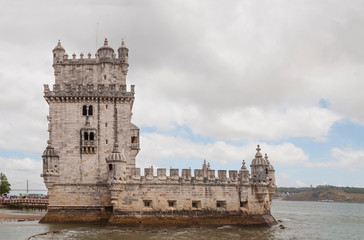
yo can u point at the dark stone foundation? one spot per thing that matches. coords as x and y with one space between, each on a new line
194 218
77 214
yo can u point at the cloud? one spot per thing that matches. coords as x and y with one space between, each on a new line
156 147
299 183
343 158
18 171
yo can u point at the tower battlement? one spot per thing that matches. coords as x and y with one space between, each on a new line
105 68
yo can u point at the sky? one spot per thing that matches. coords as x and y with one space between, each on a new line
213 79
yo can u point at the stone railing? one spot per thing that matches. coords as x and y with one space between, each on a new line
89 59
200 176
102 90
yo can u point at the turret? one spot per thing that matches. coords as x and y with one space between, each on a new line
58 53
271 171
123 53
244 173
105 53
259 167
50 166
116 165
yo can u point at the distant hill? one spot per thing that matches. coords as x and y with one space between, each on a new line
322 193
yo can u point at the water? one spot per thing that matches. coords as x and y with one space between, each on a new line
303 220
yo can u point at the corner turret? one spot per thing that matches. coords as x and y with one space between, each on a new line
259 167
123 52
116 165
105 53
58 53
271 171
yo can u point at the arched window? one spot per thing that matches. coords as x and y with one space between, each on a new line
92 136
85 136
88 140
90 110
84 110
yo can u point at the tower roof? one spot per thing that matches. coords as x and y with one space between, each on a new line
106 46
115 155
259 160
270 167
123 45
59 47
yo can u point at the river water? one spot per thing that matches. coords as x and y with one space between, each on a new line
302 220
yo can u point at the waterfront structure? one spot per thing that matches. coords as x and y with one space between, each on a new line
89 164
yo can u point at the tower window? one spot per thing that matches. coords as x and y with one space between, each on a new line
87 110
221 204
134 139
90 110
88 143
266 170
196 204
85 136
147 203
84 110
110 167
172 203
92 136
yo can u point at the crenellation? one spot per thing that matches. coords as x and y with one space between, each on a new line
221 174
174 174
186 174
148 173
233 175
161 173
211 175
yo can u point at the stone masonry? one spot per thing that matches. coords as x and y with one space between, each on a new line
89 164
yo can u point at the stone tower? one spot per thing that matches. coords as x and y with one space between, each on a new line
89 163
91 138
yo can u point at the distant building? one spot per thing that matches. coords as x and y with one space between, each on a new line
89 164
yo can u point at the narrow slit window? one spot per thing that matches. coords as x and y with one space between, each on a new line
84 110
90 110
85 137
110 167
92 136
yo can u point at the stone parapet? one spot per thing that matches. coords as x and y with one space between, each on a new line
86 90
185 177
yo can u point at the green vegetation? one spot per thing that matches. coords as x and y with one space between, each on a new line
4 184
322 193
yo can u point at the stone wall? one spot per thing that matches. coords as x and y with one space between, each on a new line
184 192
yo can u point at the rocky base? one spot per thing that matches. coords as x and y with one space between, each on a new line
154 218
188 220
77 214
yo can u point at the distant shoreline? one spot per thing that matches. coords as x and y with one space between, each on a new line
322 194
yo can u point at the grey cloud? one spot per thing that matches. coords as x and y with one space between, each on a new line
213 57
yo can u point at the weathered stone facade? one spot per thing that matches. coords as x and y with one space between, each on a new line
89 163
